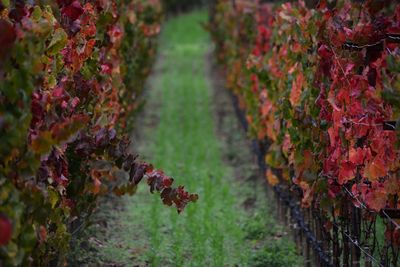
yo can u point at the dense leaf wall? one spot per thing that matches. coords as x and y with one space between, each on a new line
175 6
321 84
70 73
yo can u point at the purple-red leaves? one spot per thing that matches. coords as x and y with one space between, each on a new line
137 171
63 3
178 196
64 130
115 34
64 90
85 146
7 37
73 10
17 13
54 169
158 181
5 230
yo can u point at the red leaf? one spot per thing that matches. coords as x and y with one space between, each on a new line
376 199
73 11
64 2
168 181
7 37
359 155
158 181
324 52
42 233
75 102
106 68
115 34
5 230
58 92
347 172
61 180
18 12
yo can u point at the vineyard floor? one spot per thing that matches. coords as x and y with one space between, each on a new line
189 130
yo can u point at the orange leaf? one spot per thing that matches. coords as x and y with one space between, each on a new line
308 192
358 155
308 159
42 233
375 169
376 200
392 185
271 178
297 86
96 186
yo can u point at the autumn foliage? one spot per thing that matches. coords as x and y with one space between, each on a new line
70 74
321 83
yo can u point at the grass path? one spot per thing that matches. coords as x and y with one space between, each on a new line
230 225
185 146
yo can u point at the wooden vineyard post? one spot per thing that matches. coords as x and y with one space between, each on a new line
345 232
278 203
287 215
368 260
356 232
300 242
335 242
307 243
314 230
325 235
319 233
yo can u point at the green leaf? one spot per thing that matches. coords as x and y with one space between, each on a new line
53 197
37 13
58 42
6 3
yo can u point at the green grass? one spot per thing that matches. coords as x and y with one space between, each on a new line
179 136
185 146
211 232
